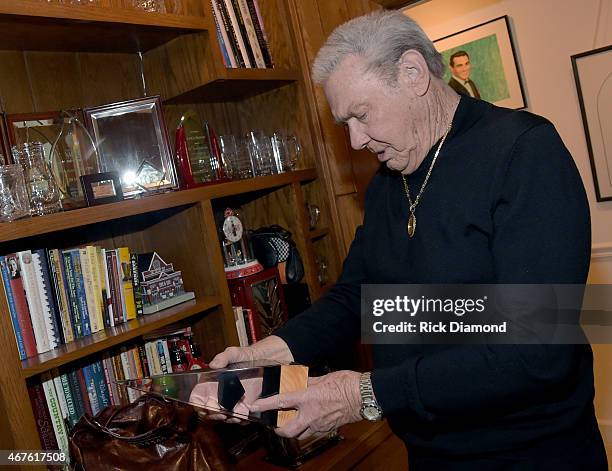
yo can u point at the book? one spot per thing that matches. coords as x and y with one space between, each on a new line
144 361
115 286
127 287
59 390
51 316
260 32
55 413
97 282
229 8
164 361
240 326
243 33
109 376
71 405
119 376
90 290
250 319
42 417
102 393
108 299
251 34
128 373
61 294
227 25
80 291
138 302
73 297
77 395
92 392
228 56
84 391
154 354
11 303
21 305
28 276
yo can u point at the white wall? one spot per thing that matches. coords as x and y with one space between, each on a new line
546 33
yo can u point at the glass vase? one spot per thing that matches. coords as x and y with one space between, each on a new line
14 202
43 193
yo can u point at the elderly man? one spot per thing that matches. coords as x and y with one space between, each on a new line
468 193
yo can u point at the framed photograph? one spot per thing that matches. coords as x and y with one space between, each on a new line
28 127
592 72
132 140
480 62
101 188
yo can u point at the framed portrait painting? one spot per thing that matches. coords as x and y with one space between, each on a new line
593 75
480 61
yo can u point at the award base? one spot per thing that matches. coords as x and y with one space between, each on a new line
245 269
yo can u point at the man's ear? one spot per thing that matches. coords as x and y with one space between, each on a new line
413 72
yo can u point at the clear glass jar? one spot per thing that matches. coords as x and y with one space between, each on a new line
14 202
43 192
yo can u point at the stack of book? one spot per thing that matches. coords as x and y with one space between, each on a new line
63 396
245 326
241 34
57 296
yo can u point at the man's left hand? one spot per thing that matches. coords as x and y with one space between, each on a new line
327 403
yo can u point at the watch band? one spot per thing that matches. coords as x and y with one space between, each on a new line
370 410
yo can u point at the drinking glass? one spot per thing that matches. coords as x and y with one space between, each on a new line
13 195
286 150
235 156
260 150
43 192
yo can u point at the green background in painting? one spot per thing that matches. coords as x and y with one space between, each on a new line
487 68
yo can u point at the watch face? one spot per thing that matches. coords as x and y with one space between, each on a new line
371 413
232 228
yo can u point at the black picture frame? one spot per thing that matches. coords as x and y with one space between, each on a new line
587 94
109 181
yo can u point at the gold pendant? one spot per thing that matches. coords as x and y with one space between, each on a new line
411 224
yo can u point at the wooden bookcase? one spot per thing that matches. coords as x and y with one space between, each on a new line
58 56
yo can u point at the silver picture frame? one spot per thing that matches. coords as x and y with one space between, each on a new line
132 140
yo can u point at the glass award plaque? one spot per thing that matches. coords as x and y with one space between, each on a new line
228 391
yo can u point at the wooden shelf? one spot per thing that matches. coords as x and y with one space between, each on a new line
115 335
41 26
236 84
86 216
318 233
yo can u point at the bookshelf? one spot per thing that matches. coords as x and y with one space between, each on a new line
53 59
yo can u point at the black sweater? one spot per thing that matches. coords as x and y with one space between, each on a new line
504 204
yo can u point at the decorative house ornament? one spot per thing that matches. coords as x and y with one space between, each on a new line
161 285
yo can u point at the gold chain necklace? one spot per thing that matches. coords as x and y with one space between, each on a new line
412 218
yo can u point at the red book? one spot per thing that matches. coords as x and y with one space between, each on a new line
21 305
84 393
42 417
251 319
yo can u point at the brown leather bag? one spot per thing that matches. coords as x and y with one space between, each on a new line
148 435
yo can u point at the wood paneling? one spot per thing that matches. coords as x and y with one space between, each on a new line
15 87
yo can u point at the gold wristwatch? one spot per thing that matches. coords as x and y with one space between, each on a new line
370 410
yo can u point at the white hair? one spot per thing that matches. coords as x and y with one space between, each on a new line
381 37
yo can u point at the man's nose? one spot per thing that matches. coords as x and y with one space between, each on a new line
359 138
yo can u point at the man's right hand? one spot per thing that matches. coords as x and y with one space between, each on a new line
271 348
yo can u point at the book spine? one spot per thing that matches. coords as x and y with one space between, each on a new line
11 303
28 276
238 34
252 35
55 413
61 297
127 373
227 24
80 292
42 417
118 370
119 273
243 33
89 289
77 395
136 285
92 255
144 361
152 347
73 297
163 360
111 260
240 327
109 376
135 362
100 383
59 390
127 285
108 292
260 31
251 319
90 385
71 407
21 305
224 41
47 299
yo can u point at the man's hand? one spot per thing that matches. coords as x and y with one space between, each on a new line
271 348
327 403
